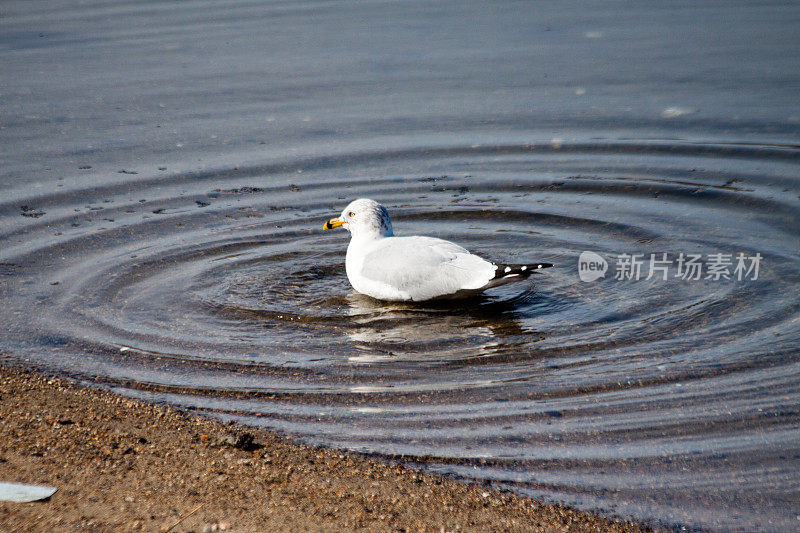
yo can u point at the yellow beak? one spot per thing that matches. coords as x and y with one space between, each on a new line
333 223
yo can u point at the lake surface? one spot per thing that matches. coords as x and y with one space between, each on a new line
167 168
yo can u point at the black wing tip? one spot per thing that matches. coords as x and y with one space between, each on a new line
502 270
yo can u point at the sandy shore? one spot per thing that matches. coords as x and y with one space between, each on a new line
123 465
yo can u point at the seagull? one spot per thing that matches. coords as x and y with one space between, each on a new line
403 269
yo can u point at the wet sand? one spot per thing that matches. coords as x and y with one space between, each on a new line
122 465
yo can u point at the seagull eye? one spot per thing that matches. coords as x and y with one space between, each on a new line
351 214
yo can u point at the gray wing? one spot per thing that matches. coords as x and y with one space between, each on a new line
425 267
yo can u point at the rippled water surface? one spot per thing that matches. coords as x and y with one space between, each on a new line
168 167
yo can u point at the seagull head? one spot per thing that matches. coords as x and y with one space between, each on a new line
363 218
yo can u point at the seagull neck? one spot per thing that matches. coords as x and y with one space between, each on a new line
362 239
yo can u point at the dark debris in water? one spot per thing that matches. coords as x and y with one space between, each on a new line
8 269
125 171
457 191
31 212
240 190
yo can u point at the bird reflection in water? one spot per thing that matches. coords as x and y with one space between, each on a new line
481 329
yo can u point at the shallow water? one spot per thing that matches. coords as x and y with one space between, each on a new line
164 199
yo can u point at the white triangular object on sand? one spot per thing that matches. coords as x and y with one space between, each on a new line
19 492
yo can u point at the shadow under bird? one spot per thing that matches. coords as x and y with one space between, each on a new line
414 268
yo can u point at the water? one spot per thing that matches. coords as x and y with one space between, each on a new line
164 197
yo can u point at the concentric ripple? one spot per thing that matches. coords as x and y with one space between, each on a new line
219 292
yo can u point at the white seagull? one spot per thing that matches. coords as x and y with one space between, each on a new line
414 268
